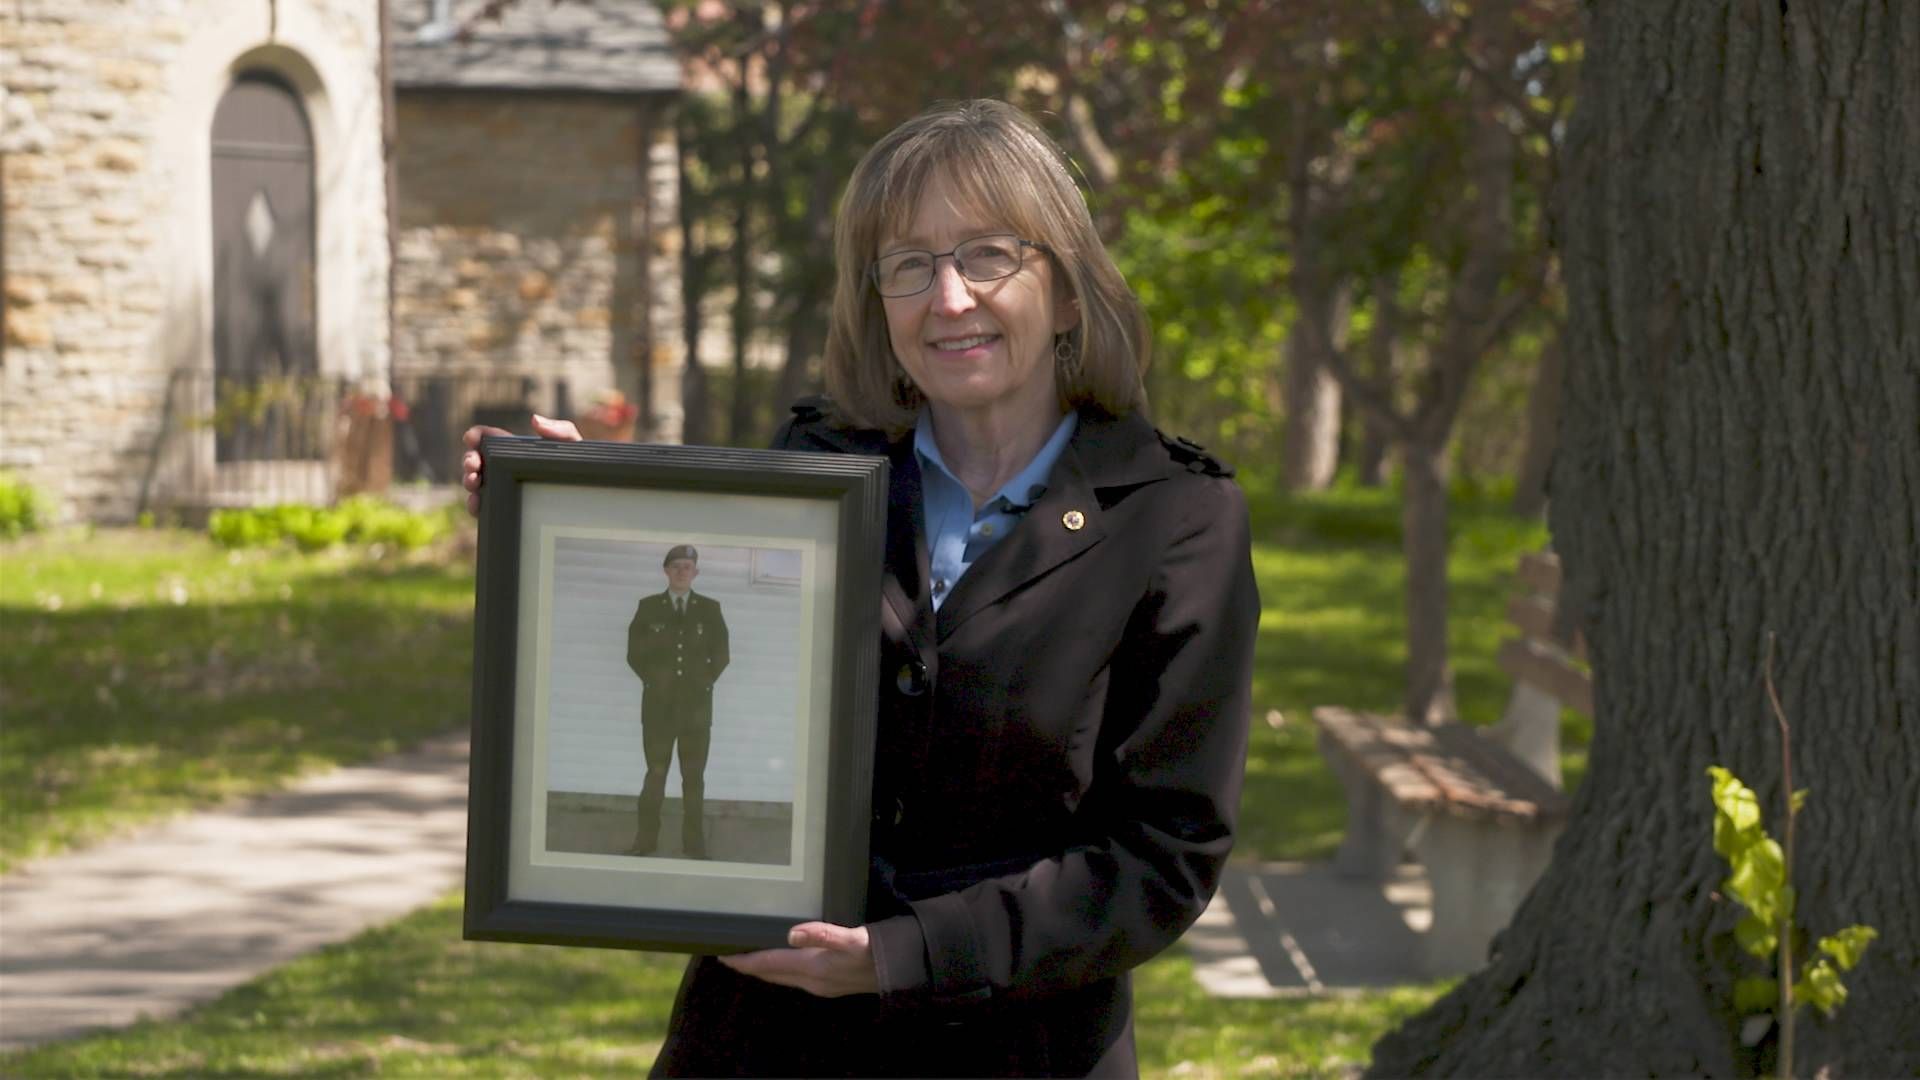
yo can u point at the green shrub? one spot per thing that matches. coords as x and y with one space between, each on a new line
362 520
318 530
21 507
242 528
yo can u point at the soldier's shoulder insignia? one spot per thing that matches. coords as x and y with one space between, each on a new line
1192 456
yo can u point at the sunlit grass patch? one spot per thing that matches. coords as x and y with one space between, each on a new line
1184 1032
148 671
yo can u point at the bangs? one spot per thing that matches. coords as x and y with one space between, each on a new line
989 182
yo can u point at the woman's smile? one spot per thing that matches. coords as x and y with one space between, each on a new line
964 347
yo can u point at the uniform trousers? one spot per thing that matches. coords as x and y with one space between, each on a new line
694 741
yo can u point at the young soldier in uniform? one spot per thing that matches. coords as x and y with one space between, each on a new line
677 644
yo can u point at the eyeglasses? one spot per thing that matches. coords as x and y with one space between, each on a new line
983 258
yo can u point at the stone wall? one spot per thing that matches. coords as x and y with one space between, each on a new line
538 241
104 164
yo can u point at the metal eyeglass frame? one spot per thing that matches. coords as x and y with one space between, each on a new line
873 268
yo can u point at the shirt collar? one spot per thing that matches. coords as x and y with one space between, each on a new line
1025 487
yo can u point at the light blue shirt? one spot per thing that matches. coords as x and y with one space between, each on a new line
957 535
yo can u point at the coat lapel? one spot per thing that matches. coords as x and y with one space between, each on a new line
1069 519
906 604
903 584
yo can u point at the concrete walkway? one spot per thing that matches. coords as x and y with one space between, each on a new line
177 914
1287 928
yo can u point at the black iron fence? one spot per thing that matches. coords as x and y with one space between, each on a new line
273 439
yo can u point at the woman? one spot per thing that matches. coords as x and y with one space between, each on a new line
1068 615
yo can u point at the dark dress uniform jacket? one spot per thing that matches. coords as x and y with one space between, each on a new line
1061 748
678 658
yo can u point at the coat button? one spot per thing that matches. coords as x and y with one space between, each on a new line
912 678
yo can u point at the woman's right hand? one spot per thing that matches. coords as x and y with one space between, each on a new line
472 466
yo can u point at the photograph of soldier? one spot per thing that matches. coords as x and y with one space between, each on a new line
634 686
677 645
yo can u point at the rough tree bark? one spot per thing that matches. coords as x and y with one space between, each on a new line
1739 457
1543 427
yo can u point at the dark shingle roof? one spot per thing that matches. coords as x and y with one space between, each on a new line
595 46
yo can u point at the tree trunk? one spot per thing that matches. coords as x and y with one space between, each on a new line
1739 457
806 339
743 291
1423 527
1310 396
645 117
1375 440
693 289
1543 429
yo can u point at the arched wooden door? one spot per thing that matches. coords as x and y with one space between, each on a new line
267 404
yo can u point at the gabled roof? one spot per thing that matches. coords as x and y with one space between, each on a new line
591 46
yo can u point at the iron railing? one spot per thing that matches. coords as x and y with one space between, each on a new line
315 439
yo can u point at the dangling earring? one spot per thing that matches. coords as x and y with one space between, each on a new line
1066 358
905 394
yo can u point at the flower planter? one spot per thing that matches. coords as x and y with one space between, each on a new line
604 431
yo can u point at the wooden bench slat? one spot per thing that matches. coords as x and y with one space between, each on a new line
1540 571
1533 616
1512 786
1447 768
1381 750
1532 662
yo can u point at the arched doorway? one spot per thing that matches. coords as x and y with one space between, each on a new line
267 404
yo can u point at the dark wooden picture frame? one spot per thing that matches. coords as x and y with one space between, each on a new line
569 517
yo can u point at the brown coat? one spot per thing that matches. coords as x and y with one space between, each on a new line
1060 757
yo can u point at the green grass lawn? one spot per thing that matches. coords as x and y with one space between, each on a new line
148 671
170 673
411 999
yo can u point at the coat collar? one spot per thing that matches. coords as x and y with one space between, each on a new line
1106 456
1106 453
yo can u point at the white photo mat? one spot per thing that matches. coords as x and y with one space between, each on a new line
552 512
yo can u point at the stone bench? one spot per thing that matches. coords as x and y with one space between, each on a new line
1480 809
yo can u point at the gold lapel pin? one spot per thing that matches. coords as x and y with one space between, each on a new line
1073 520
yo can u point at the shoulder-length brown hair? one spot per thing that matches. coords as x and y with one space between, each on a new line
1000 162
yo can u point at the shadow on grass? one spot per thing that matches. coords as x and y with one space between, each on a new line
117 712
1333 632
407 999
410 999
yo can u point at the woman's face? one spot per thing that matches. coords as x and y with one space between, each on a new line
980 346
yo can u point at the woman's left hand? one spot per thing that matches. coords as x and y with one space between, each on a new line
825 960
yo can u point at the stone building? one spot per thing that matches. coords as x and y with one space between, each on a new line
199 254
191 189
537 260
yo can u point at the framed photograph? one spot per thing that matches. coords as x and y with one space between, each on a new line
675 669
